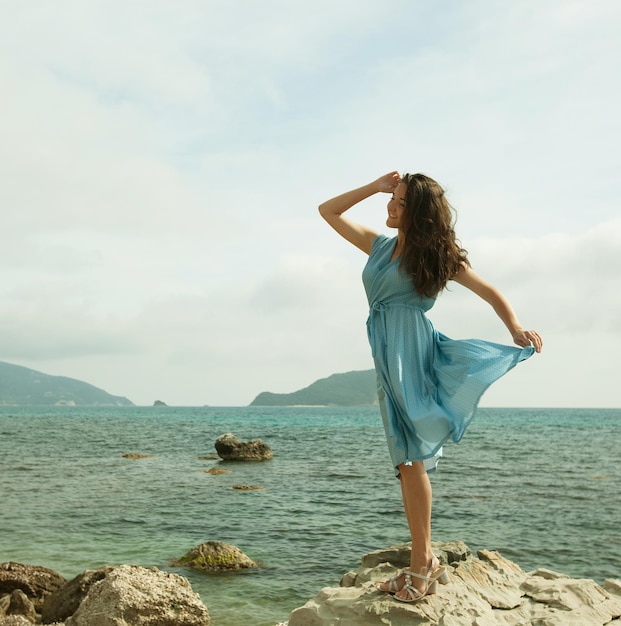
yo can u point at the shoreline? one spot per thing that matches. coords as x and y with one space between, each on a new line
485 587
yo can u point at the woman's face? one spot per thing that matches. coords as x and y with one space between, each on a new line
396 206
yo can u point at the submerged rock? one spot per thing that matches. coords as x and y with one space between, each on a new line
215 556
230 448
216 471
484 590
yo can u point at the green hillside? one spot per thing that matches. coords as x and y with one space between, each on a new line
347 389
21 386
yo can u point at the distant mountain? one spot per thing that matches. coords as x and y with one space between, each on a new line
347 389
20 386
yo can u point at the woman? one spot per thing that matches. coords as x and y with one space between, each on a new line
428 385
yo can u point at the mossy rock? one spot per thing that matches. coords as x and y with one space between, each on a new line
215 556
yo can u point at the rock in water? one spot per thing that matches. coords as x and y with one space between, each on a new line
230 448
215 556
487 591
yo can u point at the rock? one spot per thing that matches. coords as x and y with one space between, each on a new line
129 595
35 581
493 578
216 471
159 403
20 604
484 590
247 487
16 620
613 586
215 556
64 602
567 596
135 455
230 448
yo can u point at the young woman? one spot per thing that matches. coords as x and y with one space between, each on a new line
428 385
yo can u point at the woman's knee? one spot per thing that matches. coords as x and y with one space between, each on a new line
416 468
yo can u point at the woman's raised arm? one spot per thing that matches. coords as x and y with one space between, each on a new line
332 210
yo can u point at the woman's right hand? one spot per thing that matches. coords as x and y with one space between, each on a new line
332 210
388 182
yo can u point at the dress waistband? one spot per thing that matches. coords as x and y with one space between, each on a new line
382 305
376 317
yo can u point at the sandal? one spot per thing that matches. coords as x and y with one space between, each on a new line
435 573
392 585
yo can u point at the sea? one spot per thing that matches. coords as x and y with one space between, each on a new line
542 486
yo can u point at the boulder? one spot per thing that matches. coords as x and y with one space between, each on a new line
215 556
230 448
35 581
129 595
20 604
484 590
64 602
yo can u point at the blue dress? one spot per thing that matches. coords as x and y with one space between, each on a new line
428 385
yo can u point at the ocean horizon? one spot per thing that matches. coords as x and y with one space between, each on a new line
541 486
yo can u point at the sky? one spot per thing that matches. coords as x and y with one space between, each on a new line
162 163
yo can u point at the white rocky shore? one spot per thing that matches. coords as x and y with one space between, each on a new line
484 590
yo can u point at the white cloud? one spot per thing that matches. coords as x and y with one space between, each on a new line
305 319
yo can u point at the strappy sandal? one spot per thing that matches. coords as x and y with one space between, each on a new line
435 574
391 584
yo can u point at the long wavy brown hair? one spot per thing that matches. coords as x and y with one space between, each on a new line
432 254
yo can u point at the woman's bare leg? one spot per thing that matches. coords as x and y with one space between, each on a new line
417 496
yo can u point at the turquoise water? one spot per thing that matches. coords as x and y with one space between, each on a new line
541 486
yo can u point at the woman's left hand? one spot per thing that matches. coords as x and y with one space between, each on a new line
528 338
